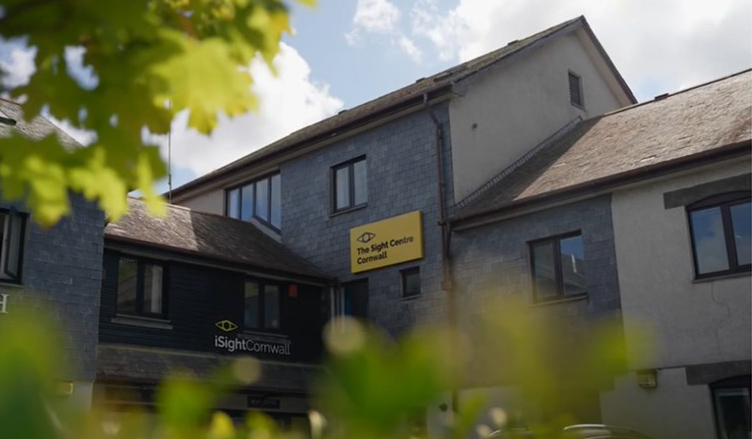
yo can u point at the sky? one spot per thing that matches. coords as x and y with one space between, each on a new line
346 52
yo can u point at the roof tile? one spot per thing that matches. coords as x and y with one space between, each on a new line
694 121
213 236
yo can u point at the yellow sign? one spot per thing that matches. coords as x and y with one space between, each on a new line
386 242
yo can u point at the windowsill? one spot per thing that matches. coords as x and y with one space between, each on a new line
579 107
144 322
409 298
11 284
565 299
348 210
703 280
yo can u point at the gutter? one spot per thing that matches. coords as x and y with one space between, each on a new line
599 186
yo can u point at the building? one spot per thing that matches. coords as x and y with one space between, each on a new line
651 204
191 290
683 246
529 172
57 270
418 149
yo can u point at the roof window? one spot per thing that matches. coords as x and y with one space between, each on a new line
5 119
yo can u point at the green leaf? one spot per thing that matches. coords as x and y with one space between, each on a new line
143 53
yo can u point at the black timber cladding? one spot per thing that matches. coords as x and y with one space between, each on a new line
197 298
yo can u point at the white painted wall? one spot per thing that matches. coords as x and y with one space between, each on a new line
511 108
211 202
672 410
668 317
82 395
670 320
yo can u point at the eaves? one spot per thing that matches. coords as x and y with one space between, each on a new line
597 187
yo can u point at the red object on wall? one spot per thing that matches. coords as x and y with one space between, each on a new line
292 290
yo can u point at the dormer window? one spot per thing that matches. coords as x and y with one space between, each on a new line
5 119
260 199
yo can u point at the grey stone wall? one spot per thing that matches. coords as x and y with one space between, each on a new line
492 262
401 163
62 272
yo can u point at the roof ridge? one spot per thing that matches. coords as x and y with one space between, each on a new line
456 68
376 108
668 95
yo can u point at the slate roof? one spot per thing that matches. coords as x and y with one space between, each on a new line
208 235
695 122
132 363
36 129
440 82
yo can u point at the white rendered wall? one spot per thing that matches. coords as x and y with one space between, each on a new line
669 317
670 320
210 202
672 410
511 108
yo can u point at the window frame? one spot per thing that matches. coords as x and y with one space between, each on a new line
724 202
581 94
558 271
141 263
733 383
404 273
6 120
239 187
350 165
12 274
261 311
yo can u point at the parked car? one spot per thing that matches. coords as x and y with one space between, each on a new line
580 431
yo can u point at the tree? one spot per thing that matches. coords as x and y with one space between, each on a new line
151 59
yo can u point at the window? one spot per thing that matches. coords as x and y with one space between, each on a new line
260 199
6 120
12 228
575 90
558 267
731 399
353 299
349 185
261 308
410 282
140 289
720 231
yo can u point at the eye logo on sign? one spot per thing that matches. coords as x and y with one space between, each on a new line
226 325
366 237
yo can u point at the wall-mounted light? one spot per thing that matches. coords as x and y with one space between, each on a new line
647 378
65 388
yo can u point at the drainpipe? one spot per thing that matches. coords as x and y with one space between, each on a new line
447 284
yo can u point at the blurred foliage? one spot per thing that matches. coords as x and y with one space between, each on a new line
371 386
148 60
